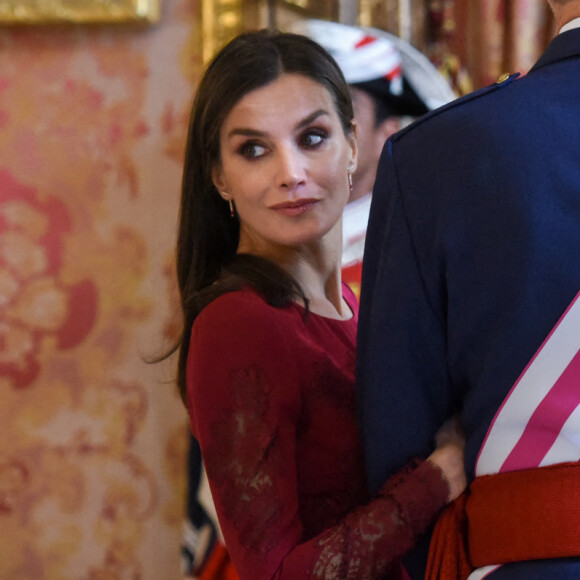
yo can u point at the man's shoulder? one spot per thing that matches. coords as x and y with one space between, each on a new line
470 105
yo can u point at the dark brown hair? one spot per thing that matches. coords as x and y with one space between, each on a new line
207 263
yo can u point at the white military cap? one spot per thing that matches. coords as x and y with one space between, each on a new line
367 54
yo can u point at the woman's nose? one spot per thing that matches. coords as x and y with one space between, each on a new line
291 169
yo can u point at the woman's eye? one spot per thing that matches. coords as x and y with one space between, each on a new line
312 139
252 150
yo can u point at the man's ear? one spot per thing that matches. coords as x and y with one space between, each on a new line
387 127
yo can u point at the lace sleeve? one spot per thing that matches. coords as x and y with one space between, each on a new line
244 400
367 544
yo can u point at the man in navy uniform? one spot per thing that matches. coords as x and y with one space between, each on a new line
470 305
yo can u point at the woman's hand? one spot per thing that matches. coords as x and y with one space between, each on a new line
449 456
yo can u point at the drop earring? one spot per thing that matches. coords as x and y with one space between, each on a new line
350 186
227 197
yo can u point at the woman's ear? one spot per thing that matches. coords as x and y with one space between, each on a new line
352 141
218 181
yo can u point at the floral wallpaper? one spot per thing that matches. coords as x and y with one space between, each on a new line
93 438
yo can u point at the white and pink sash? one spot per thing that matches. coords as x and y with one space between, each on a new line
538 423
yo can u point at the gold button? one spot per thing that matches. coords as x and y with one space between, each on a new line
504 77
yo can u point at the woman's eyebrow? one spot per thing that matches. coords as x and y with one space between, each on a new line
248 132
245 132
312 117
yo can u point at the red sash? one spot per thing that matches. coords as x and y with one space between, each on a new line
508 517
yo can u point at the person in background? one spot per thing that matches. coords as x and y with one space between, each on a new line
267 356
391 83
470 301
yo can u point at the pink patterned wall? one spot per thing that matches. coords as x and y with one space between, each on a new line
92 439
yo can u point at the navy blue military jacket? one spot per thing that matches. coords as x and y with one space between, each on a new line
472 255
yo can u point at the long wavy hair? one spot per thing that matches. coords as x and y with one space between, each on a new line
207 262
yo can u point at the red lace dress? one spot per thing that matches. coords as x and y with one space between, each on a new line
271 401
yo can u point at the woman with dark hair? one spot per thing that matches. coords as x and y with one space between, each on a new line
267 354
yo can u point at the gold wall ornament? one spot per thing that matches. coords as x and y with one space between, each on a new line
403 18
222 20
78 11
225 19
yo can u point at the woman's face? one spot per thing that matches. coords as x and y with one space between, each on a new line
285 161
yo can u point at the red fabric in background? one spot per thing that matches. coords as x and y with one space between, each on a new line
219 565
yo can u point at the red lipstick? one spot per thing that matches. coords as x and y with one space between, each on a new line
294 208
